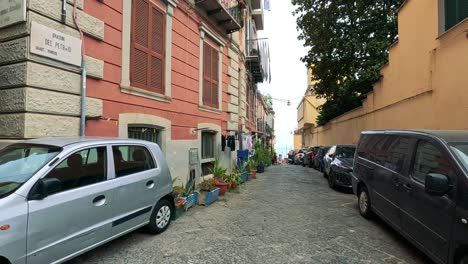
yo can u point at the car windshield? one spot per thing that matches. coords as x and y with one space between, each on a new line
461 151
346 152
20 162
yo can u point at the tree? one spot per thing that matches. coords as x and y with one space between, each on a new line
348 41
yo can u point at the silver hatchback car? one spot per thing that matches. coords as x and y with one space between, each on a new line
64 196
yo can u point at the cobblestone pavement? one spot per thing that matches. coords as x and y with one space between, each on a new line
287 215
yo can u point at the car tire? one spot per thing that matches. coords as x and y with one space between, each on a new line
160 217
364 203
325 173
332 180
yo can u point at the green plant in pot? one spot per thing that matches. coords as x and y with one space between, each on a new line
208 192
219 174
234 180
252 165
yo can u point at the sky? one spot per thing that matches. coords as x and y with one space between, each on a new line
289 73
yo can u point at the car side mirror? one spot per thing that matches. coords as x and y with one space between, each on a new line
437 184
45 187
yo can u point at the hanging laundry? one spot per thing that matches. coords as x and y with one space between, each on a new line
231 143
248 142
223 142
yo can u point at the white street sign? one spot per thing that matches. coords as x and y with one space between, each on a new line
54 44
12 12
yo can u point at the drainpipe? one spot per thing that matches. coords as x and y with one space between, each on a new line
64 11
83 75
83 98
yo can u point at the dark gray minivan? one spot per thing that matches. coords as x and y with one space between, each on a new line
417 181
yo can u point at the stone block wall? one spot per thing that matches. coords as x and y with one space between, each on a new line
40 96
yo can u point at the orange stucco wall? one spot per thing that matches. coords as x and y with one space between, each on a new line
424 85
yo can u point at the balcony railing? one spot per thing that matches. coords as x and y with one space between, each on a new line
258 59
229 14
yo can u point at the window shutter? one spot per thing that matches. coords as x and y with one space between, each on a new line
206 74
147 54
214 78
157 46
140 39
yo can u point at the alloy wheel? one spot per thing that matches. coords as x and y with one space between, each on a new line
163 216
363 202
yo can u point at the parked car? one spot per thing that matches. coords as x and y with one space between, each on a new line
291 156
309 156
417 181
299 157
62 197
318 158
338 165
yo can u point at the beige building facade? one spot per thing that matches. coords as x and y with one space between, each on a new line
423 86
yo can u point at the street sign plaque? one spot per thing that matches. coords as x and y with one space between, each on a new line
12 12
54 44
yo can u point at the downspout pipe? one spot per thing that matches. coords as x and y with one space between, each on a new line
83 76
64 11
83 98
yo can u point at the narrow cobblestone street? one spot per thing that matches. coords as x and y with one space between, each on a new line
287 215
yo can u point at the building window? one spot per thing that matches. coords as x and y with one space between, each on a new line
455 12
145 133
208 145
147 46
210 76
210 70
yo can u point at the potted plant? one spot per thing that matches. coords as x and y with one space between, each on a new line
180 201
253 169
190 196
234 180
208 192
219 174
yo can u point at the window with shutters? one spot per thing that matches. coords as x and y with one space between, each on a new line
455 12
147 46
210 75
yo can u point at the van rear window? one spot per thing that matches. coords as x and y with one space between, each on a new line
389 151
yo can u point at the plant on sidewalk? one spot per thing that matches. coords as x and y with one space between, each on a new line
207 185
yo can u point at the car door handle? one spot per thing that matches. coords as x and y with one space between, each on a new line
150 184
408 188
99 200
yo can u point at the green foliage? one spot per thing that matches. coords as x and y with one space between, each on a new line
234 177
348 41
218 171
262 155
207 185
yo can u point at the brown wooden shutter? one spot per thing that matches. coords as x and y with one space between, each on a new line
147 52
206 74
214 78
157 49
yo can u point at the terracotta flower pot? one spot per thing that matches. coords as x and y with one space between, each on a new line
232 186
222 187
253 174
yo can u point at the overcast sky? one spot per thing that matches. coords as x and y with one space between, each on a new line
289 74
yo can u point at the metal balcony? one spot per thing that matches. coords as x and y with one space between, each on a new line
227 13
257 15
257 58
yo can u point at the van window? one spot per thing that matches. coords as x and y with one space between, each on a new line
397 153
429 159
461 151
131 159
81 168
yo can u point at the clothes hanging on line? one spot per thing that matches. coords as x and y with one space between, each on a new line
231 142
223 142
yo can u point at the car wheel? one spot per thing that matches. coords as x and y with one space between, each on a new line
364 203
160 217
332 180
325 173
